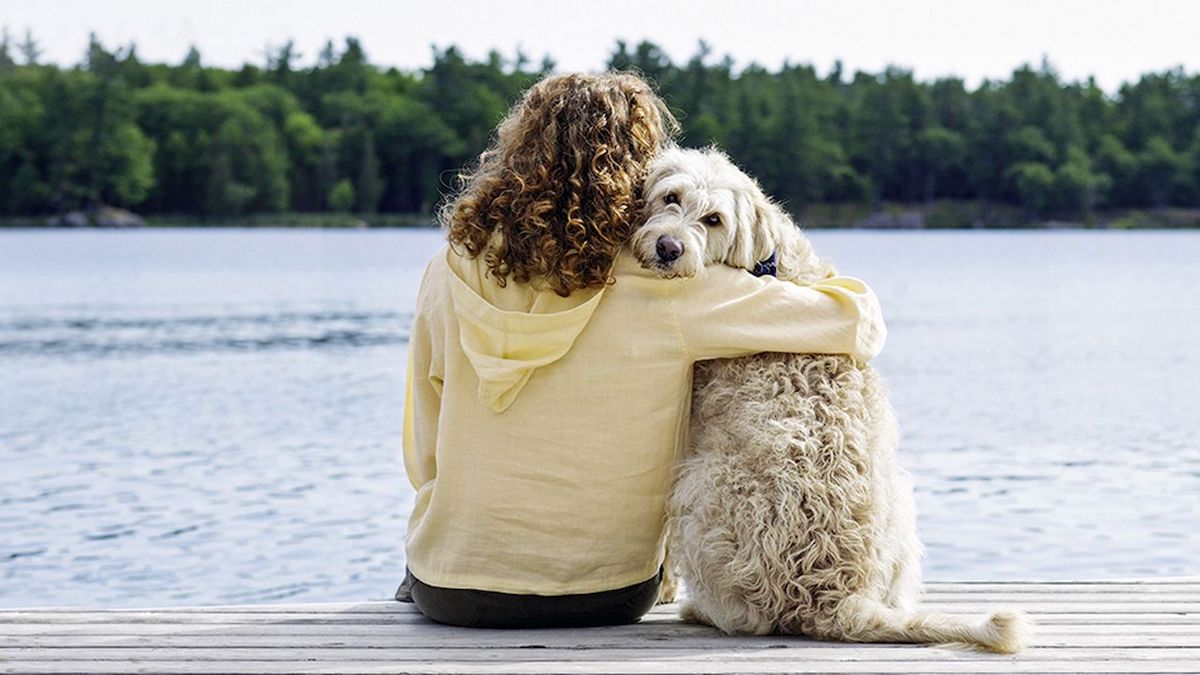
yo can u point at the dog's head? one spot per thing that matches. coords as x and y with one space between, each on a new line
701 209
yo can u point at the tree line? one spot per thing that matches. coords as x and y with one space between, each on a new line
339 134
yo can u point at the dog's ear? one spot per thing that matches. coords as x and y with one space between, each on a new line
774 232
759 230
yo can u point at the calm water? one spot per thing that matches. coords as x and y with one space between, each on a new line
194 417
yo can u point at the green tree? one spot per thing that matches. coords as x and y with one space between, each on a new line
943 159
30 51
1034 182
1121 165
341 197
23 122
885 114
1162 169
1029 144
115 157
305 143
130 160
370 186
1078 188
7 62
414 142
1192 179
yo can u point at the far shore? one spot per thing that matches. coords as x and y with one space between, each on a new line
940 215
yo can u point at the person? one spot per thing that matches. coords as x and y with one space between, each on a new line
549 375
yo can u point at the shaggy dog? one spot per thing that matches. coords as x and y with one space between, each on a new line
791 513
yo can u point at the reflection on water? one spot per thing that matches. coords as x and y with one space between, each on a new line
196 416
104 334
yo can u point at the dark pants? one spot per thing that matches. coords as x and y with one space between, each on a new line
489 609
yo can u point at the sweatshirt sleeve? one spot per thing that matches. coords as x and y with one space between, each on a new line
422 397
726 312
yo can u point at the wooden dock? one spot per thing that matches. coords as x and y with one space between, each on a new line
1126 627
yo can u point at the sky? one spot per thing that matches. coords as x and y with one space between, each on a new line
1114 40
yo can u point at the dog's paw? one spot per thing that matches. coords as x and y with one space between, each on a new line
689 614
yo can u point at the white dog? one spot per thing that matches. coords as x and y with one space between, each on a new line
791 513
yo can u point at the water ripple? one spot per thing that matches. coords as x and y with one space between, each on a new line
106 336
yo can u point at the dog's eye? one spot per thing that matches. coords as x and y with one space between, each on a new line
671 198
712 219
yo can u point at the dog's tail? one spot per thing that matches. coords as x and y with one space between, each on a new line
863 620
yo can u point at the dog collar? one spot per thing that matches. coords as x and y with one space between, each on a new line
765 267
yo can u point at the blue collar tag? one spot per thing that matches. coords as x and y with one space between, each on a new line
765 267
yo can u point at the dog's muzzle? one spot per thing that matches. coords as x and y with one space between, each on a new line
668 248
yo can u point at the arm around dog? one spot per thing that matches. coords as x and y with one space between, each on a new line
725 312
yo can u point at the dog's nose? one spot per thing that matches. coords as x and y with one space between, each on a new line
668 248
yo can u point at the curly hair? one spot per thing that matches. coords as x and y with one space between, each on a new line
558 194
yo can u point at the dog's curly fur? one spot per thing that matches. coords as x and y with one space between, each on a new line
791 513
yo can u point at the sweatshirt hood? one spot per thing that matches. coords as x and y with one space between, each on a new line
509 332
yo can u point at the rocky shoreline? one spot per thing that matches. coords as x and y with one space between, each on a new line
104 216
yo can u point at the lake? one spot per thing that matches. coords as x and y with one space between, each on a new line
195 416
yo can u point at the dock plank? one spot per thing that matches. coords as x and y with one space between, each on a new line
1085 627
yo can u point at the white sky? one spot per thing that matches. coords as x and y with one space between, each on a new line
1116 40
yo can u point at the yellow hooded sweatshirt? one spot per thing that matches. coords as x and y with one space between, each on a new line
541 432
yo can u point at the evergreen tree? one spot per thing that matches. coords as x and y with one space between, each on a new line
30 51
6 60
370 186
341 197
